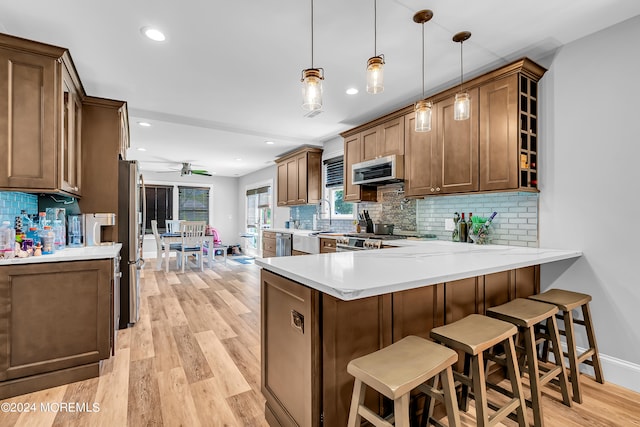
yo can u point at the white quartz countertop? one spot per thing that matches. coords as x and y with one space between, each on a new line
69 254
359 274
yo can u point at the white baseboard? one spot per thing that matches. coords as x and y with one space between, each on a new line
616 371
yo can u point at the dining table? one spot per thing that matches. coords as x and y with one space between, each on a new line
210 247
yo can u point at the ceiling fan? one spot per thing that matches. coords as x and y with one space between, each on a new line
187 170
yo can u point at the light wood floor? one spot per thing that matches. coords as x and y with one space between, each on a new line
194 360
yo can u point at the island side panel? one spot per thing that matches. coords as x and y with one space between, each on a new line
291 358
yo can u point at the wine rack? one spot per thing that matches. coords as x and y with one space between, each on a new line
528 133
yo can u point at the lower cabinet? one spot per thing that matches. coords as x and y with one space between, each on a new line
327 245
268 244
308 337
55 323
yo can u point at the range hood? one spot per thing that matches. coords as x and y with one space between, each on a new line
380 171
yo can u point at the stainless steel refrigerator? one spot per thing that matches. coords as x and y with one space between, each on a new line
131 211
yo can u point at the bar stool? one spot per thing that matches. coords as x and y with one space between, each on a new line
526 314
566 301
396 370
473 335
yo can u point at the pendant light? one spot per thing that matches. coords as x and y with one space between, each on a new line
312 81
423 107
461 107
375 64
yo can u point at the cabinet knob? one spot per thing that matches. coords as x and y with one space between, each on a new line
437 188
432 189
75 188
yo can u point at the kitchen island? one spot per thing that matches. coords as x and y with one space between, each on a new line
320 311
57 317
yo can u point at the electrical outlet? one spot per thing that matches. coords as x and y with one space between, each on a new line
449 225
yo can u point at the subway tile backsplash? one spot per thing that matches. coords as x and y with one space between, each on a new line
12 202
516 223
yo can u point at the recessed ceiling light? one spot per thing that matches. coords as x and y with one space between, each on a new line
153 33
352 91
238 159
141 149
269 142
144 124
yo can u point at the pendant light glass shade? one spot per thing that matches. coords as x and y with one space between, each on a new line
375 74
423 107
461 106
312 89
423 116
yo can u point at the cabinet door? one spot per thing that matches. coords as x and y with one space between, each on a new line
28 111
54 316
301 168
458 145
369 139
352 151
70 155
292 181
282 184
391 137
499 134
421 159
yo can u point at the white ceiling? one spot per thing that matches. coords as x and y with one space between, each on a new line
227 78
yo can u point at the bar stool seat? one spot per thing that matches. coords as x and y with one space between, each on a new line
396 370
567 301
525 314
473 335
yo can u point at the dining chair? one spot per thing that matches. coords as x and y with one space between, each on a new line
160 245
192 233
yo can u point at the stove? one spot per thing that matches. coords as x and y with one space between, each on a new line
363 241
376 236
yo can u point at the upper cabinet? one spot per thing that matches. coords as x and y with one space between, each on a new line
299 177
352 155
383 140
495 149
40 118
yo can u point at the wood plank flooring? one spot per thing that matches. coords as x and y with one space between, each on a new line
193 359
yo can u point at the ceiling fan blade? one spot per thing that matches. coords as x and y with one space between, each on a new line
200 172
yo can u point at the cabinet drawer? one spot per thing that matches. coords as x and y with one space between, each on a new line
269 245
327 245
268 235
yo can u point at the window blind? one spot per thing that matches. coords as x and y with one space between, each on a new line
193 203
334 176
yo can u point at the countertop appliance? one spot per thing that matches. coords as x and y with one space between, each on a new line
131 220
283 244
93 224
380 171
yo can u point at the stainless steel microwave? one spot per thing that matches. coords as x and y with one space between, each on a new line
380 171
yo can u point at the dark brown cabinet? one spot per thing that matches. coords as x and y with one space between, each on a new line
40 118
56 323
268 244
352 155
299 177
327 245
445 159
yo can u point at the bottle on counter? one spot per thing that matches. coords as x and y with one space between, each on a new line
47 238
33 235
455 235
462 225
7 240
469 228
42 220
59 233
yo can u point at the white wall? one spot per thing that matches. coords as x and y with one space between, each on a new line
589 153
223 203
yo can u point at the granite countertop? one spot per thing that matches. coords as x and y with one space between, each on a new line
69 254
359 274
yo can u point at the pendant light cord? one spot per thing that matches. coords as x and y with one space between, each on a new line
423 60
461 67
375 27
311 33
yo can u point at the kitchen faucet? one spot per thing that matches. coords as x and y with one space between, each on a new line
320 209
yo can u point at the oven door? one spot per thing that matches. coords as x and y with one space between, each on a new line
341 247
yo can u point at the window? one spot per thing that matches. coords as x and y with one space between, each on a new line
159 206
193 203
333 179
258 208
